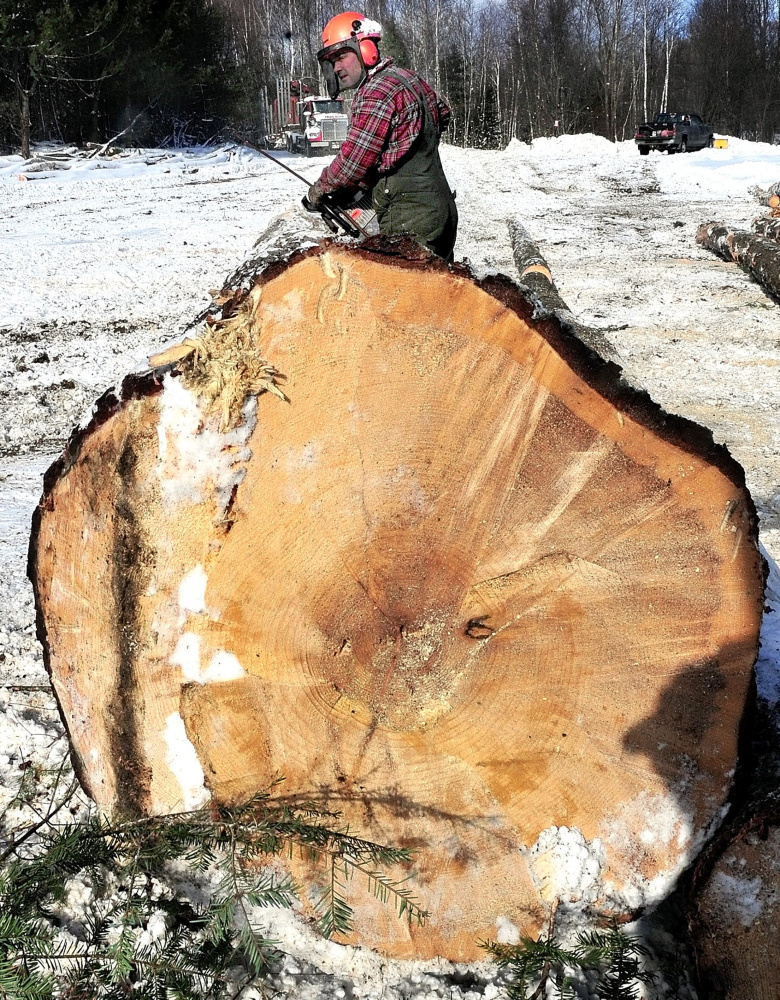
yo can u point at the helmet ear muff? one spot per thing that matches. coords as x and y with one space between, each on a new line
369 52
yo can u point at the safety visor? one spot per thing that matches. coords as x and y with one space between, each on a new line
328 54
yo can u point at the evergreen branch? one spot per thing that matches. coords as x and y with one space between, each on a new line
122 863
385 889
613 957
334 913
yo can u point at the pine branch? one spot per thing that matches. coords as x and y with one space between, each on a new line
120 863
385 889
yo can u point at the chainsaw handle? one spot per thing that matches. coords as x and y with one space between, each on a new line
333 217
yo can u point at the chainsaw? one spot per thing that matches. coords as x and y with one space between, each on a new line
353 219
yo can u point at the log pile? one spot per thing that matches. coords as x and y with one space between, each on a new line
400 536
770 197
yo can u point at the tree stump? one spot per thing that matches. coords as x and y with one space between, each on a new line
462 583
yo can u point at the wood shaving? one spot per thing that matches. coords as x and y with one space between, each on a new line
224 367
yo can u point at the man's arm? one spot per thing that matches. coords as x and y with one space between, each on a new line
361 151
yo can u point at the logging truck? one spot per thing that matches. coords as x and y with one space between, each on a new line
318 123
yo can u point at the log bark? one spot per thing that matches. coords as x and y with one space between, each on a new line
767 228
737 908
460 581
536 276
765 195
735 884
758 256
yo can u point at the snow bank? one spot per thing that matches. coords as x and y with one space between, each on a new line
702 175
715 173
584 144
69 165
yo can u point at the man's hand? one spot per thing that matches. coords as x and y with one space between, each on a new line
315 194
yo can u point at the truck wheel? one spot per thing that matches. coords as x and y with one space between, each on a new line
711 142
644 150
684 144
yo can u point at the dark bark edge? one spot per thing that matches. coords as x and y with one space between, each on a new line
136 386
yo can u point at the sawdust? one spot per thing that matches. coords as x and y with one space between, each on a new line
223 366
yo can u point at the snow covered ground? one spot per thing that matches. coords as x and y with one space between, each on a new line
104 260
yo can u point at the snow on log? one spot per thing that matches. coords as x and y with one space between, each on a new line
758 256
384 532
735 918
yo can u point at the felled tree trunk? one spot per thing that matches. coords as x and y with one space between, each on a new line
536 276
736 913
382 532
758 256
735 884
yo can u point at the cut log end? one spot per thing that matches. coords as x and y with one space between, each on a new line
467 587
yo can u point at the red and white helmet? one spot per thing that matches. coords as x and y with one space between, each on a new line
352 31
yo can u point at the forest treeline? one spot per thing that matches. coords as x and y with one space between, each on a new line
192 70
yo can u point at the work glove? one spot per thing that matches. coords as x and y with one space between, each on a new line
315 194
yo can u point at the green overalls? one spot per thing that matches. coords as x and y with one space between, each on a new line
415 197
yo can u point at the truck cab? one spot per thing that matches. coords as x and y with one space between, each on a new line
320 124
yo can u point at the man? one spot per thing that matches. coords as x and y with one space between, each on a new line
392 147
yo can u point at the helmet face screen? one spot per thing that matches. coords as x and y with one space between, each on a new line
331 80
326 58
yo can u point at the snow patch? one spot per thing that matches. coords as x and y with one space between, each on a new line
184 764
565 866
738 896
224 666
192 591
506 931
649 824
194 456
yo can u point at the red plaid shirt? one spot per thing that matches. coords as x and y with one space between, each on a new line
386 120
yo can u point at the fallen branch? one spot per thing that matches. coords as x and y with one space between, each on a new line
101 150
758 256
